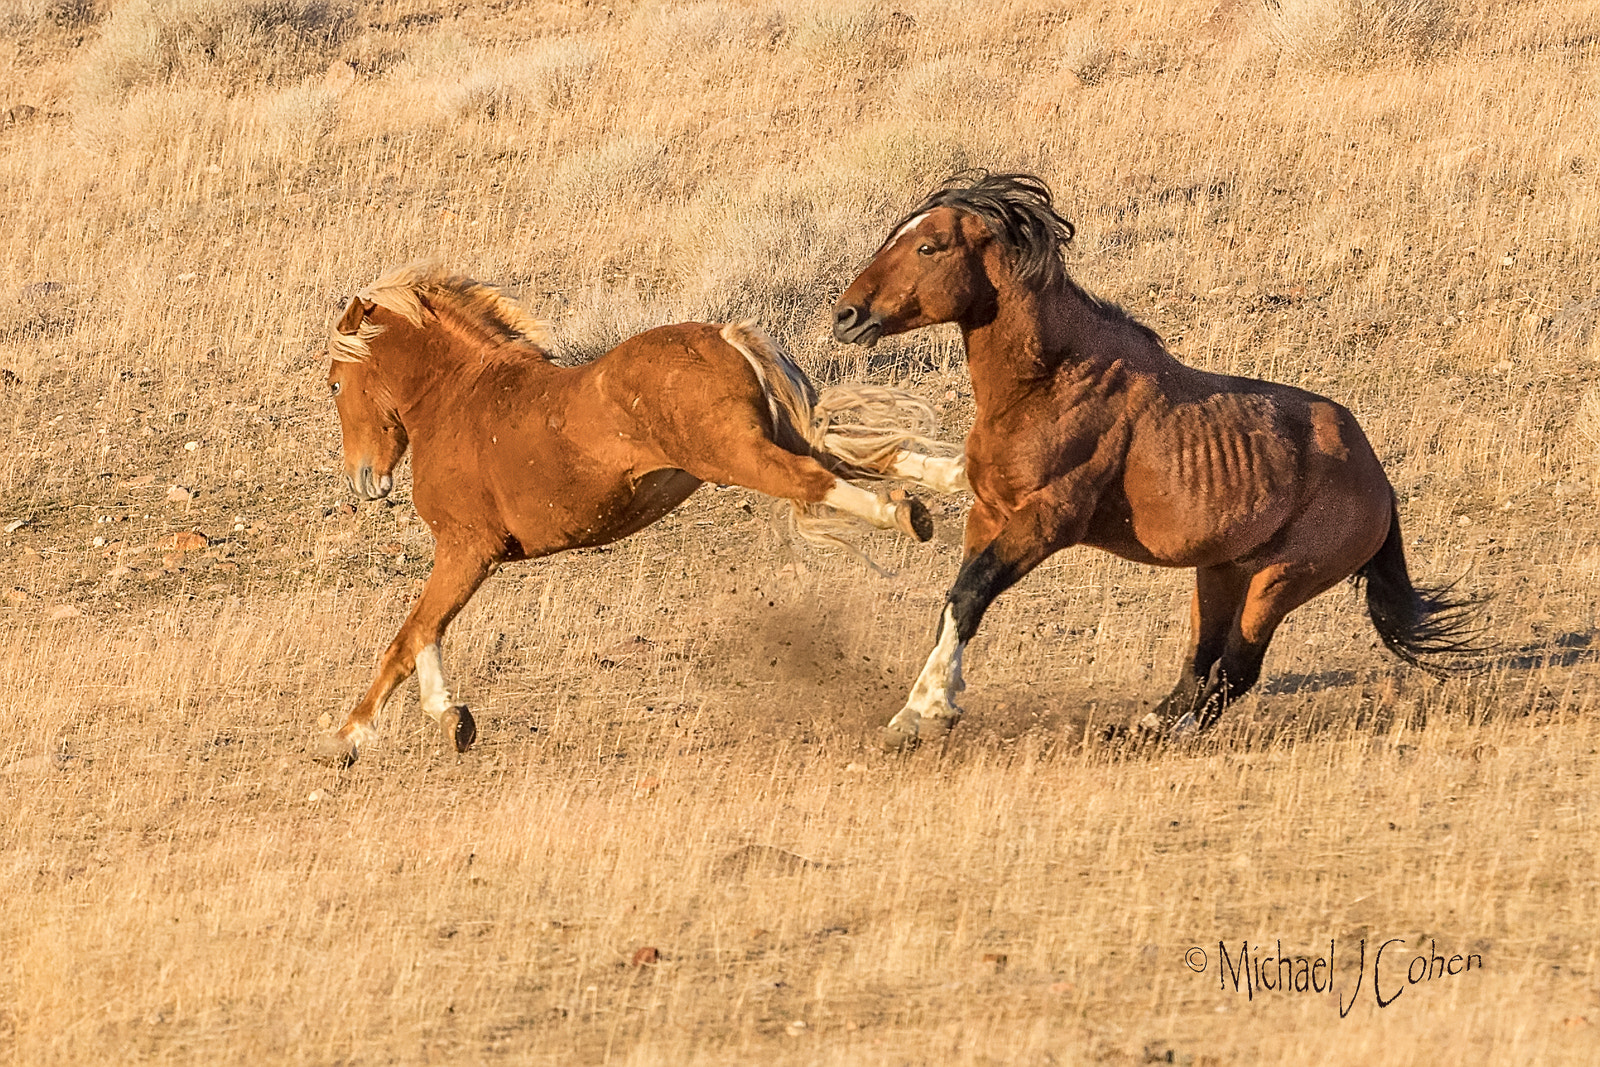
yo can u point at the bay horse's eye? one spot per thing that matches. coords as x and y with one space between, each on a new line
925 250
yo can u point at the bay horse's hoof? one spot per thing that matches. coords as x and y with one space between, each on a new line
459 727
901 736
895 739
911 515
335 750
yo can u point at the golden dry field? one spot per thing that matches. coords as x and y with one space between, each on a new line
676 841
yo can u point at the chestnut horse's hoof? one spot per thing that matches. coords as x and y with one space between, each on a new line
459 726
911 515
335 750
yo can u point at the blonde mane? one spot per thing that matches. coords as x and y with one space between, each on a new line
419 289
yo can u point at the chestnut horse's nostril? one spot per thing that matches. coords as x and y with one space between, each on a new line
844 316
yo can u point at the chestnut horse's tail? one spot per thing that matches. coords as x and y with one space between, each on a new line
854 430
1416 621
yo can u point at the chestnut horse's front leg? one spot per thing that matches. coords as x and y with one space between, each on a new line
458 570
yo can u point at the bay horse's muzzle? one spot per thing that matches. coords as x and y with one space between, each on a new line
364 485
855 325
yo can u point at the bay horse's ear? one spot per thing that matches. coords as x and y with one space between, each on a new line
349 323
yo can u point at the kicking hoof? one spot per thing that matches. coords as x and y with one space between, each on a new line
335 750
459 727
911 515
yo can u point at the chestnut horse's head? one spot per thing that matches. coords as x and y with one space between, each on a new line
939 263
374 439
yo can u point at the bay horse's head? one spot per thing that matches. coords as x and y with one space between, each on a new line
374 439
940 263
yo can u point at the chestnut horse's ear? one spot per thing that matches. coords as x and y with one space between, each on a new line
349 323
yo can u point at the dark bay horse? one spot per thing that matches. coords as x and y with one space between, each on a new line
1089 432
515 457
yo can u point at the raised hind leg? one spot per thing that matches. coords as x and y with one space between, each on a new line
759 464
942 474
457 574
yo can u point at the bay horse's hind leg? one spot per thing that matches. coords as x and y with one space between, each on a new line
1269 595
457 573
1219 597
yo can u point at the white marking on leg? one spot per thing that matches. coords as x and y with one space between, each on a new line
933 695
430 681
853 500
938 473
360 734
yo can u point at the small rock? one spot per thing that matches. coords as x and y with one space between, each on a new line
188 276
994 961
65 611
314 797
13 527
18 595
796 1028
647 956
180 494
190 446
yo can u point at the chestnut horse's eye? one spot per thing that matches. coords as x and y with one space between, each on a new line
333 388
925 250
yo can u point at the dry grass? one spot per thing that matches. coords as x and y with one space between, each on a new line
1392 204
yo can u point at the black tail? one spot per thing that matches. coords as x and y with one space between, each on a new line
1416 622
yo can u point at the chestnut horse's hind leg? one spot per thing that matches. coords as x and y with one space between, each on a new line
767 468
942 474
456 576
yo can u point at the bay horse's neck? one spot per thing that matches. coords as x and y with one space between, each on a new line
1030 334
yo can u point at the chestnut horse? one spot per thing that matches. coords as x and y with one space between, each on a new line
1089 432
515 457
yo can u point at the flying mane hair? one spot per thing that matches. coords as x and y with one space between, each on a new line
420 289
1020 212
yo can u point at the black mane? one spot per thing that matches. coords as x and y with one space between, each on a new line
1018 210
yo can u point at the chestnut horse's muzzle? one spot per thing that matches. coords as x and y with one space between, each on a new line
364 485
855 325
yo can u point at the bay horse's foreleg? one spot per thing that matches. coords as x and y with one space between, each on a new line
457 574
1025 540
